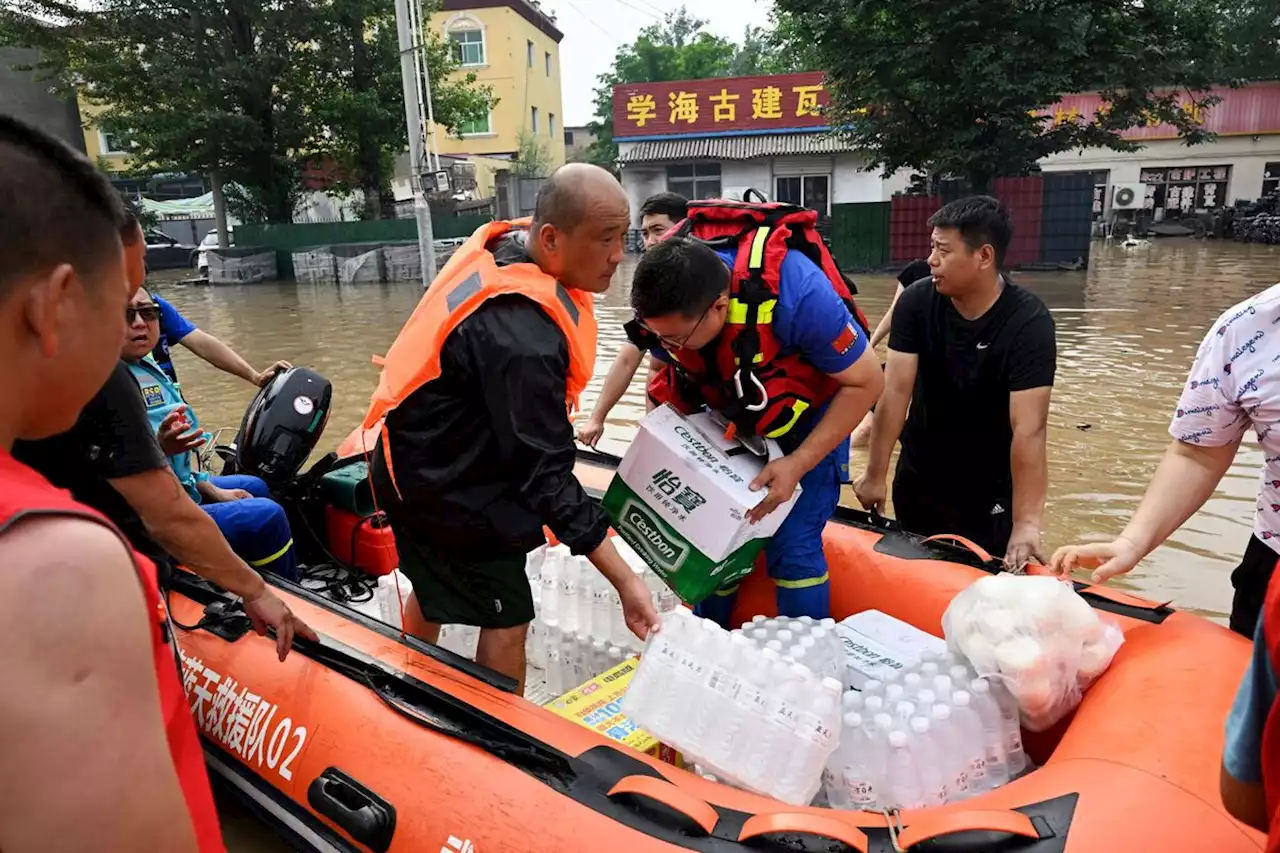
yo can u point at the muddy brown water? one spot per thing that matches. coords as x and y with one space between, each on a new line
1128 329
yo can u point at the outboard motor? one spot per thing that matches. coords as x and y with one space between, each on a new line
282 425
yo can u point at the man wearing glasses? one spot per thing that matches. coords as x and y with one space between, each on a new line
255 526
815 383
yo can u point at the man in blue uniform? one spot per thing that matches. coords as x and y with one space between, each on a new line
253 524
685 295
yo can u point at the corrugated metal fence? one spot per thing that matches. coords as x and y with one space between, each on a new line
1051 223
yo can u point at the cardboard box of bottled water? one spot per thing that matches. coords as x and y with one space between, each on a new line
876 643
680 499
597 705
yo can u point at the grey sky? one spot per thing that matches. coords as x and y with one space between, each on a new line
594 30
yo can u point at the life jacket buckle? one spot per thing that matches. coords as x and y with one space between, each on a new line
755 380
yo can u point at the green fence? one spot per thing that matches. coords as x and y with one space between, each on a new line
288 238
860 234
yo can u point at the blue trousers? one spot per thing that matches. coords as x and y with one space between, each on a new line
256 528
794 557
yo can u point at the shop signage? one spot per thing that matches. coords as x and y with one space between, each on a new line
720 105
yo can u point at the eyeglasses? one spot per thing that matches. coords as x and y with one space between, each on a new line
679 343
148 313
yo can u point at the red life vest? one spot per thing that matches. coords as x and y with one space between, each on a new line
1271 731
744 374
23 492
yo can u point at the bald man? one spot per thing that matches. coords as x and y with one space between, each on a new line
477 451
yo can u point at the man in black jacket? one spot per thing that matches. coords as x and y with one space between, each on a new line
482 454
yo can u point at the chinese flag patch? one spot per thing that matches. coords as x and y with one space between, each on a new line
845 340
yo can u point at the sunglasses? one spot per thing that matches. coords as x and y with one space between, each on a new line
148 313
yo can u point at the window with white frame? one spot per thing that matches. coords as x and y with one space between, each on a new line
477 127
114 143
468 42
694 180
811 191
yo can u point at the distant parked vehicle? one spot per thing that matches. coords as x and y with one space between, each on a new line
166 253
210 241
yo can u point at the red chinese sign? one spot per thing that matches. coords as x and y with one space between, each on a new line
1241 112
719 105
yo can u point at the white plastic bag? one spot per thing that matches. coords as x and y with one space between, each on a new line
1035 635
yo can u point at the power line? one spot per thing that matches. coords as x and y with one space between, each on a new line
591 21
638 9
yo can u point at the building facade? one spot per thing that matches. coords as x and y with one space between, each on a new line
512 46
577 140
706 138
722 137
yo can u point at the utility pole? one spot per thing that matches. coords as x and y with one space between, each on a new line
413 117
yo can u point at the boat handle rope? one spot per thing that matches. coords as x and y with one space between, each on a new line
662 791
932 826
955 538
809 824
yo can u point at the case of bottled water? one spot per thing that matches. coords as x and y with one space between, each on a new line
746 714
942 737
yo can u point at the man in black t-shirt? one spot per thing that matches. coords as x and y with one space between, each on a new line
975 356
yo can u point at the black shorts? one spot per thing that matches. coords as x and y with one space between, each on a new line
931 507
491 592
1250 580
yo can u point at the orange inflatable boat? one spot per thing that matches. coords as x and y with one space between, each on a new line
373 741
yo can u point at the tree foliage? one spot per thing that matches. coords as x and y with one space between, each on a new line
962 87
680 48
1253 34
249 88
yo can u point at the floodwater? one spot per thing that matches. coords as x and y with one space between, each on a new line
1128 329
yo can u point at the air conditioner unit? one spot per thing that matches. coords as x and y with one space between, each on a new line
1128 196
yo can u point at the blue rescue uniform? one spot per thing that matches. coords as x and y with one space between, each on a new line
810 319
256 528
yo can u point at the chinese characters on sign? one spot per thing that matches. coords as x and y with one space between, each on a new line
779 102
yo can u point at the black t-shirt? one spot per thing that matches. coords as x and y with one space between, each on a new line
958 433
112 439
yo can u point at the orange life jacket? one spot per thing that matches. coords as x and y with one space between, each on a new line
468 280
744 373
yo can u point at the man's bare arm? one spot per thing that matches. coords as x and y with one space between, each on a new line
85 763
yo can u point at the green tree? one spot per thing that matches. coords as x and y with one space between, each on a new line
358 93
961 88
677 48
250 89
1253 35
532 160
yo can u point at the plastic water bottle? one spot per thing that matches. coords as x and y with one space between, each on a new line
968 729
587 575
893 694
955 766
758 619
667 600
601 612
569 581
619 633
852 701
925 700
928 669
942 687
749 700
762 729
872 685
553 643
854 768
933 779
775 646
615 656
599 657
816 731
901 774
706 704
960 674
903 712
993 737
828 623
585 661
873 705
771 625
1014 753
912 683
785 637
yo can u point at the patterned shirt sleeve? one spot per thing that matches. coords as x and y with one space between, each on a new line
1208 413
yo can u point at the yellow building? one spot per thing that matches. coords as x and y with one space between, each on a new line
514 47
102 147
